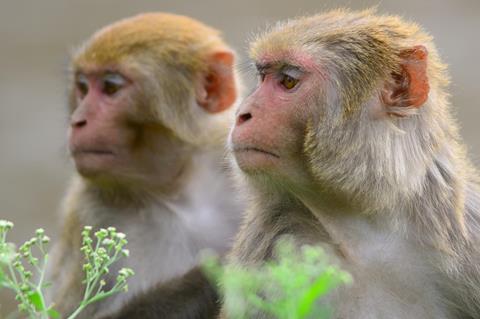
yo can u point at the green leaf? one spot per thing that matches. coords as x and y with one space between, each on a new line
53 314
321 286
36 299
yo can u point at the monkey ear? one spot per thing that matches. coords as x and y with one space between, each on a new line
409 87
216 90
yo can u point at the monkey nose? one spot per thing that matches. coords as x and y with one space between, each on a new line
243 117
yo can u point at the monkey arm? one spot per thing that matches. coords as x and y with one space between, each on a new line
191 296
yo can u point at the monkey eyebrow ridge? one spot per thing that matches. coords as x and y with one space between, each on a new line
264 67
276 66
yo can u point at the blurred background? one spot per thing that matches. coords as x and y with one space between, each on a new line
37 36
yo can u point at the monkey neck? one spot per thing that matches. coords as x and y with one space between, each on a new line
202 183
204 196
433 213
197 181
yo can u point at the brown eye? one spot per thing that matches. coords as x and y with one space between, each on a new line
112 83
288 82
82 85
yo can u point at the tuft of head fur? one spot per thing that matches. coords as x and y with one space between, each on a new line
176 40
165 54
356 48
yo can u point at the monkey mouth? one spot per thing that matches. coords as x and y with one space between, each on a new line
99 152
254 149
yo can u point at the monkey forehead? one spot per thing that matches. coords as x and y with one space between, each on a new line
288 56
173 39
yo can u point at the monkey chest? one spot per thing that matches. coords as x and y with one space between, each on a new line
160 249
392 278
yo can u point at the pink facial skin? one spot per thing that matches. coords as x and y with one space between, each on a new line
98 140
270 126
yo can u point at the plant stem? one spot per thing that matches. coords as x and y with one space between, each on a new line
77 312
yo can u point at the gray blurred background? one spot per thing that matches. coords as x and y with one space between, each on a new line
37 36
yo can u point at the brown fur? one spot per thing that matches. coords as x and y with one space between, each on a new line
166 187
390 185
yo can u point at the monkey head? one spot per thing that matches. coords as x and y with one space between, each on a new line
342 102
145 92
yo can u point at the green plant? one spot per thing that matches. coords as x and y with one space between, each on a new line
289 287
18 266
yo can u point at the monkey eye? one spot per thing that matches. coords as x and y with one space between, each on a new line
112 83
288 82
82 85
289 76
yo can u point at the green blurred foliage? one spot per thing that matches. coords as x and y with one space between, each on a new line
291 286
17 268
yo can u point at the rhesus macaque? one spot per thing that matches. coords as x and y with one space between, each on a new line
348 142
149 116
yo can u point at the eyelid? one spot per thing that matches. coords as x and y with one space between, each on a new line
115 78
81 78
81 85
292 72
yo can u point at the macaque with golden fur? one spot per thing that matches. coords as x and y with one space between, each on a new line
348 142
150 103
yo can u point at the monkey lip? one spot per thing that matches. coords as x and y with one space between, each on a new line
99 152
254 149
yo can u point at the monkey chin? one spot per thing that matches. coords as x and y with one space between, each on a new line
252 159
95 164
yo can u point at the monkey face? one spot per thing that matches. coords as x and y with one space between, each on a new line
96 141
269 130
104 139
142 99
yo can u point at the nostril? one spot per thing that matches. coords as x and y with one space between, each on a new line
242 118
79 124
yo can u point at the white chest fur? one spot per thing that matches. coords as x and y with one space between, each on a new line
165 238
393 275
